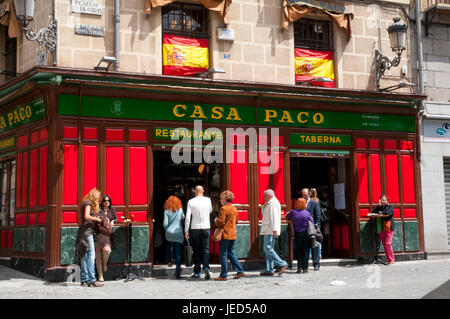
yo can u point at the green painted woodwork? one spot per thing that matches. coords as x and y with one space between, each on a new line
106 107
36 239
242 243
19 239
281 242
68 239
366 237
23 114
320 139
411 235
30 239
140 244
118 245
7 143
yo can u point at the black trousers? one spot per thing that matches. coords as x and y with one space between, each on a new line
200 245
302 246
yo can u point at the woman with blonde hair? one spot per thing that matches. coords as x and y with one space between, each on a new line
173 215
300 217
227 220
314 195
89 214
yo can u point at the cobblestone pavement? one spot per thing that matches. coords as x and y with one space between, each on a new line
410 280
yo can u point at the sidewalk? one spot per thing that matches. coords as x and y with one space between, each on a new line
408 280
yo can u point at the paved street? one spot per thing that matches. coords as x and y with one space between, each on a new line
410 280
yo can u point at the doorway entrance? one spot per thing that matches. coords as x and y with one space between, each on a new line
329 176
179 180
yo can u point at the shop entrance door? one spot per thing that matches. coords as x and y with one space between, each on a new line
328 174
180 180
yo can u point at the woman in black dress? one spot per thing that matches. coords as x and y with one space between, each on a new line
102 237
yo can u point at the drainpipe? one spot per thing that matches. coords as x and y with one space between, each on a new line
55 56
419 48
116 22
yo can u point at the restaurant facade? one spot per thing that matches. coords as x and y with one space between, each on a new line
141 138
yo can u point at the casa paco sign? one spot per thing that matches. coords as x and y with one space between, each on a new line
22 115
182 112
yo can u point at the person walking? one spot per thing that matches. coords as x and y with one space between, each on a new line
85 249
387 230
227 220
102 236
299 217
197 220
271 228
173 215
314 209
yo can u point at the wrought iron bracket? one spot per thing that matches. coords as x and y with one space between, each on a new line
46 37
383 63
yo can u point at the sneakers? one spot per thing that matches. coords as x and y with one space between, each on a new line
207 275
195 276
242 274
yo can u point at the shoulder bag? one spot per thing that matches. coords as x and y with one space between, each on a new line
168 226
218 232
217 235
187 254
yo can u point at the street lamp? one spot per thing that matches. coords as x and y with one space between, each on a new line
397 37
46 37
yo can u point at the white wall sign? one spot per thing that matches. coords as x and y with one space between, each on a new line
436 130
88 7
225 34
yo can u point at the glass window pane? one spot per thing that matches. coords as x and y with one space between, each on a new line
12 193
4 188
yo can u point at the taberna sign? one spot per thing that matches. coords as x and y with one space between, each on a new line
22 115
436 130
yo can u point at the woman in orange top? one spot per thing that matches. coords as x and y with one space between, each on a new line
227 220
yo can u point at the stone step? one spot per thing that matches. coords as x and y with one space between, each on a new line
5 261
165 270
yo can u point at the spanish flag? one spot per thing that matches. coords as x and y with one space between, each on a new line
184 56
312 64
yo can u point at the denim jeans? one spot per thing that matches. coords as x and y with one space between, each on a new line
271 256
88 263
316 255
227 252
200 246
174 247
302 247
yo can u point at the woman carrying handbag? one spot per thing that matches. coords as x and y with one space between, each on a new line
173 215
227 220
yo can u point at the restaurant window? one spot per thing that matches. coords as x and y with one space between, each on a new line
313 40
8 189
10 56
185 39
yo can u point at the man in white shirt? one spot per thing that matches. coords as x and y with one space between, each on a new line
270 228
197 219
